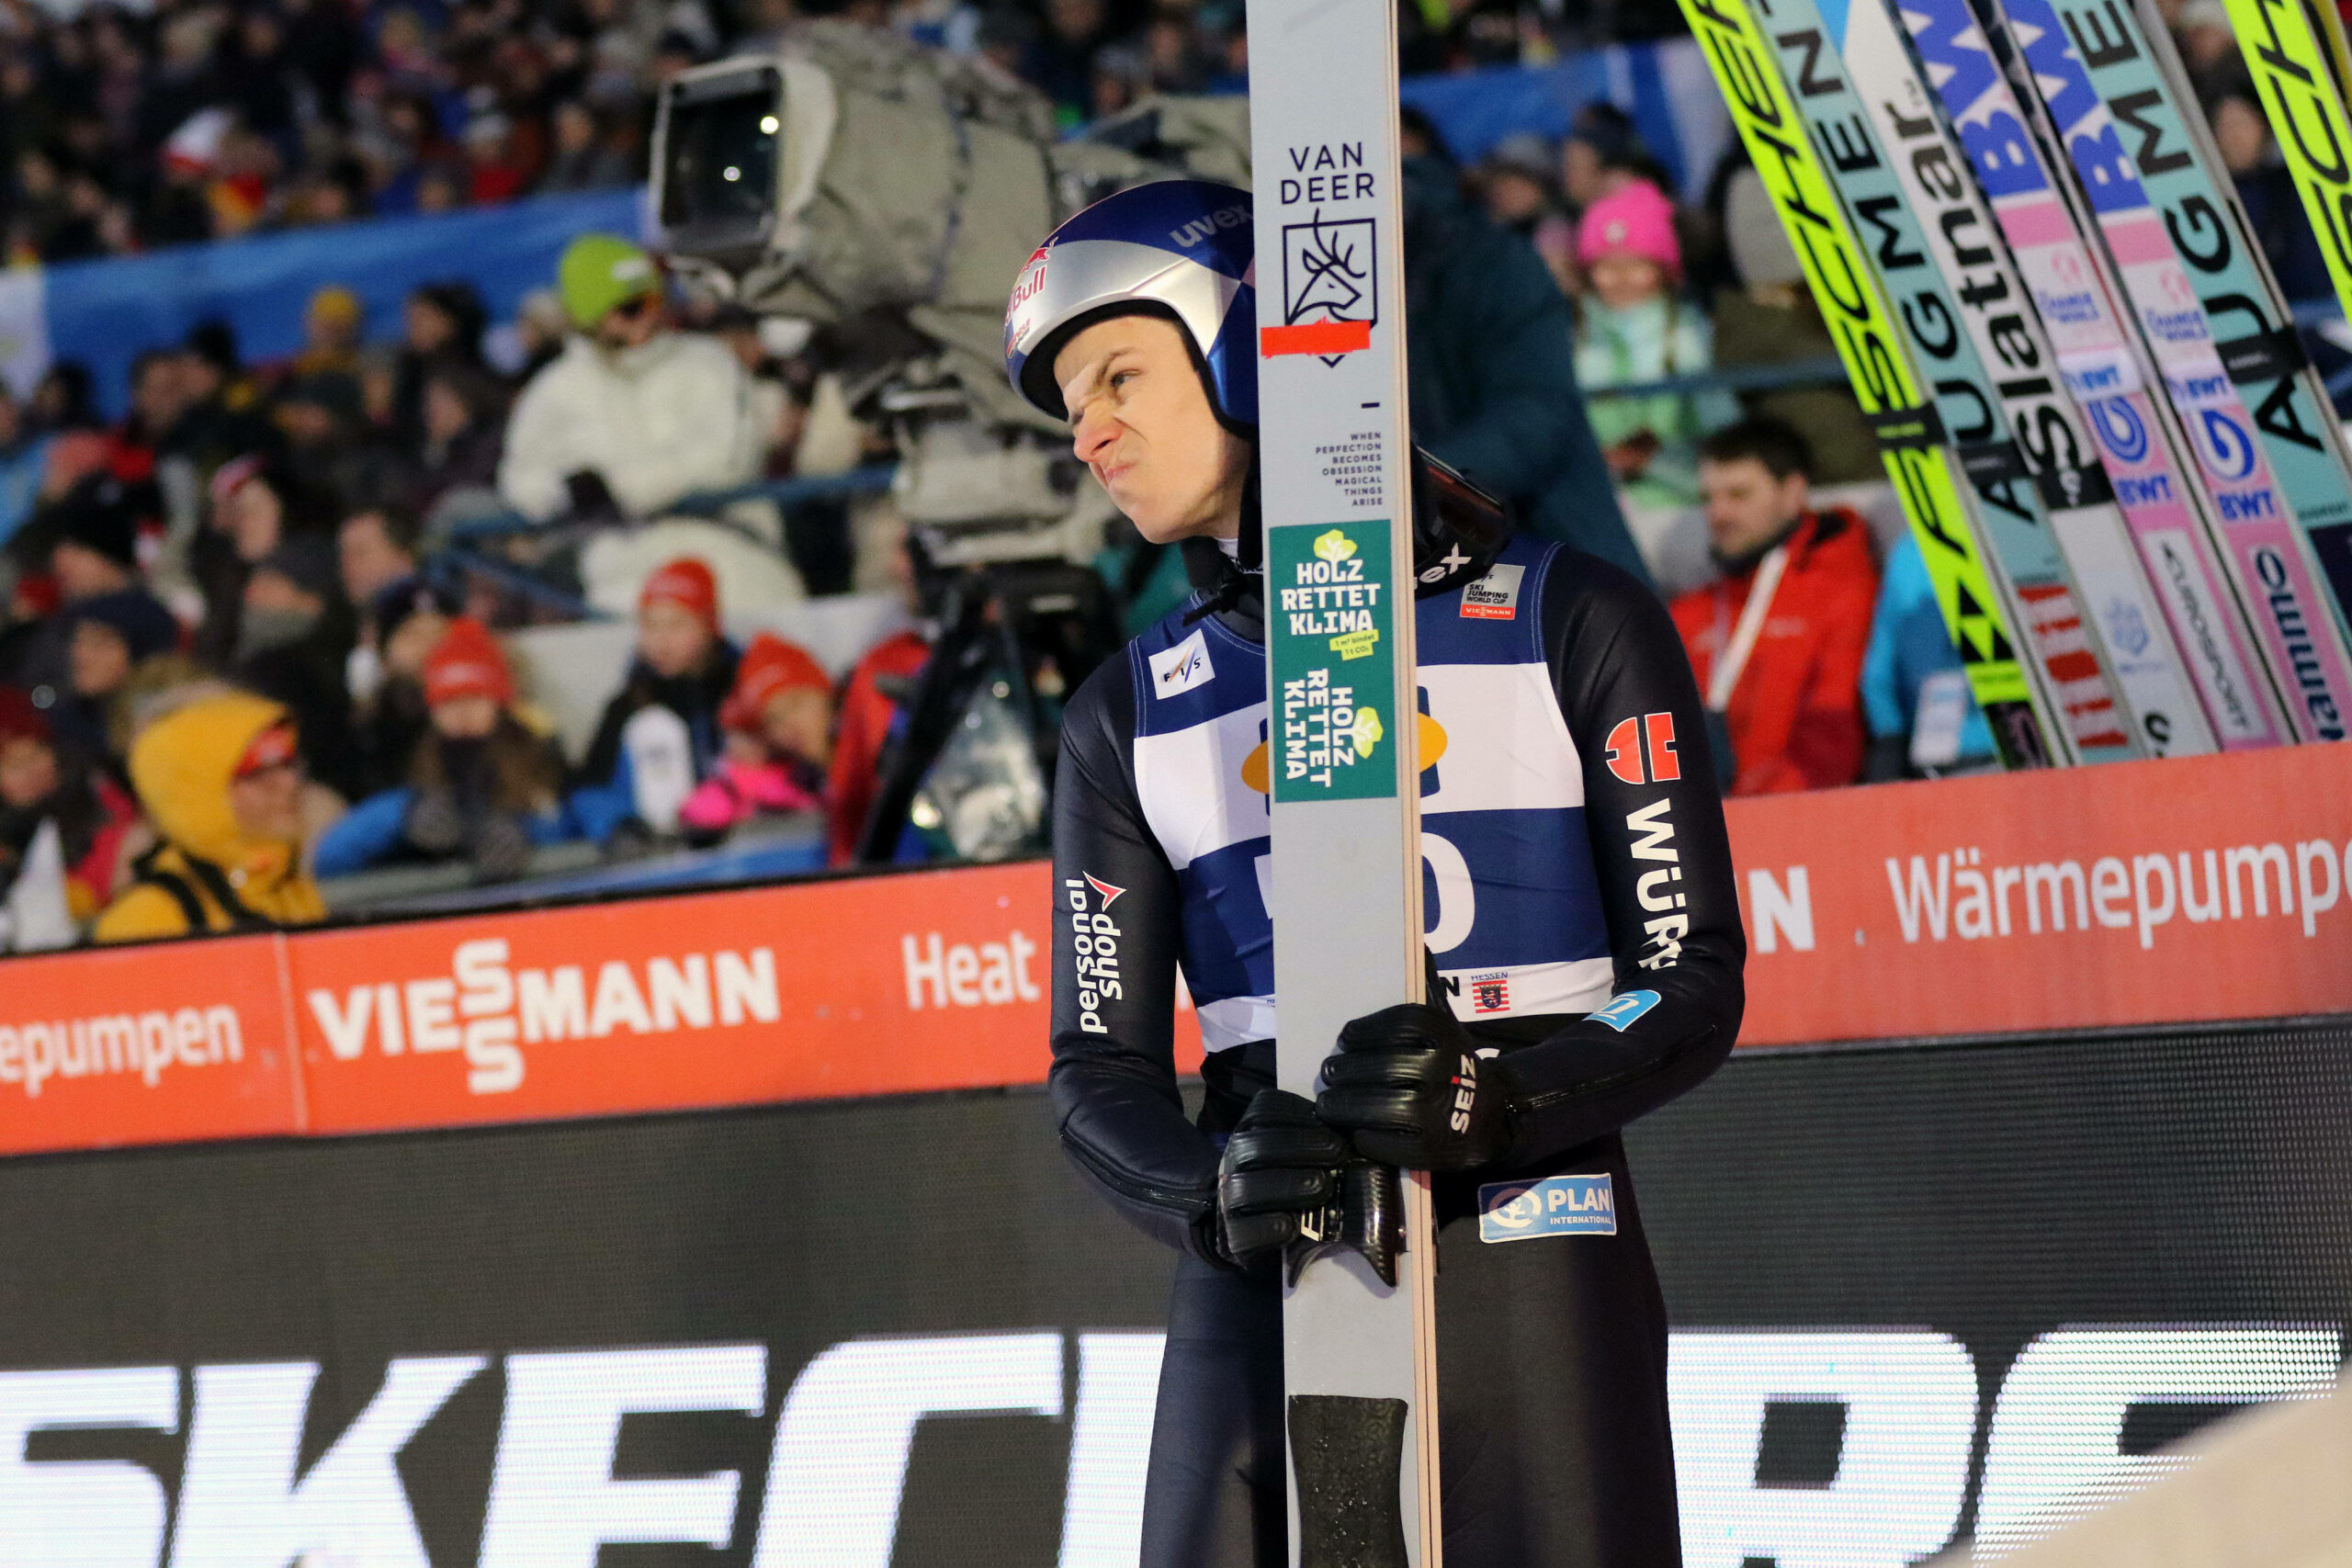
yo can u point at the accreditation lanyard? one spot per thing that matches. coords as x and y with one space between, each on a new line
1733 662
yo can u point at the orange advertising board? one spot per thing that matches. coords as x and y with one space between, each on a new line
2187 890
145 1046
889 985
2174 891
861 987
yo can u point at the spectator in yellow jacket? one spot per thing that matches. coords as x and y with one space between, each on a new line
221 781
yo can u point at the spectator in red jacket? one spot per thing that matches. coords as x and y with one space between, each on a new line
1776 641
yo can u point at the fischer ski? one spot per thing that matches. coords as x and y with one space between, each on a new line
2104 368
2010 469
1910 434
2276 472
1359 1325
2297 65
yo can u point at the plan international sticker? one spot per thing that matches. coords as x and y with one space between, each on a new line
1334 648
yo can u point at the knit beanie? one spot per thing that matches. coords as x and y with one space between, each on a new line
769 666
687 583
133 615
1637 221
100 515
19 720
467 662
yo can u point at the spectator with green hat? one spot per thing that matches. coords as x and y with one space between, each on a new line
633 415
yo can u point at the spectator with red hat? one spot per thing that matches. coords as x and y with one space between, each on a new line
660 734
63 828
484 786
779 722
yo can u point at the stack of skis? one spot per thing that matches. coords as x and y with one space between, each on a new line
2127 481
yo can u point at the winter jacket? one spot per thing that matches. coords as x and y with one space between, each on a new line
606 794
1796 715
1493 370
1660 338
1908 643
93 817
1756 329
207 867
661 420
515 773
861 734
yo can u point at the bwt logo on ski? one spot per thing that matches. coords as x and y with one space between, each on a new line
1094 947
1627 741
487 1010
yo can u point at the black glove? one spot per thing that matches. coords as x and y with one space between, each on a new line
1289 1184
1409 1083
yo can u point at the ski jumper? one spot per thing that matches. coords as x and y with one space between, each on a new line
1573 850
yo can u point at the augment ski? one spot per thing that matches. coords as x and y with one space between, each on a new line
2275 471
2022 554
1910 435
2105 370
1359 1349
2043 449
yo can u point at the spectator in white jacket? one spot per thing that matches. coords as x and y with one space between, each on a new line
632 416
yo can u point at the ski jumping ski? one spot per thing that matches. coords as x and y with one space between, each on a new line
2275 471
2104 368
1358 1351
2010 487
2295 54
2047 434
1884 383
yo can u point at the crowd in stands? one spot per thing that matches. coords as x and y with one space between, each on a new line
127 127
230 665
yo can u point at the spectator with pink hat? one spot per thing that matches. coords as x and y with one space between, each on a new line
1633 326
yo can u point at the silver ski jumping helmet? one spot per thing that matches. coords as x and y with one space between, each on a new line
1181 247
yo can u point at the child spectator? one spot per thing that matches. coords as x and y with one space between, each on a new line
484 787
88 816
779 721
221 778
660 734
1633 327
1777 643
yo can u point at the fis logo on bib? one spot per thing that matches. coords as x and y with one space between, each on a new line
1557 1205
1182 668
1494 597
